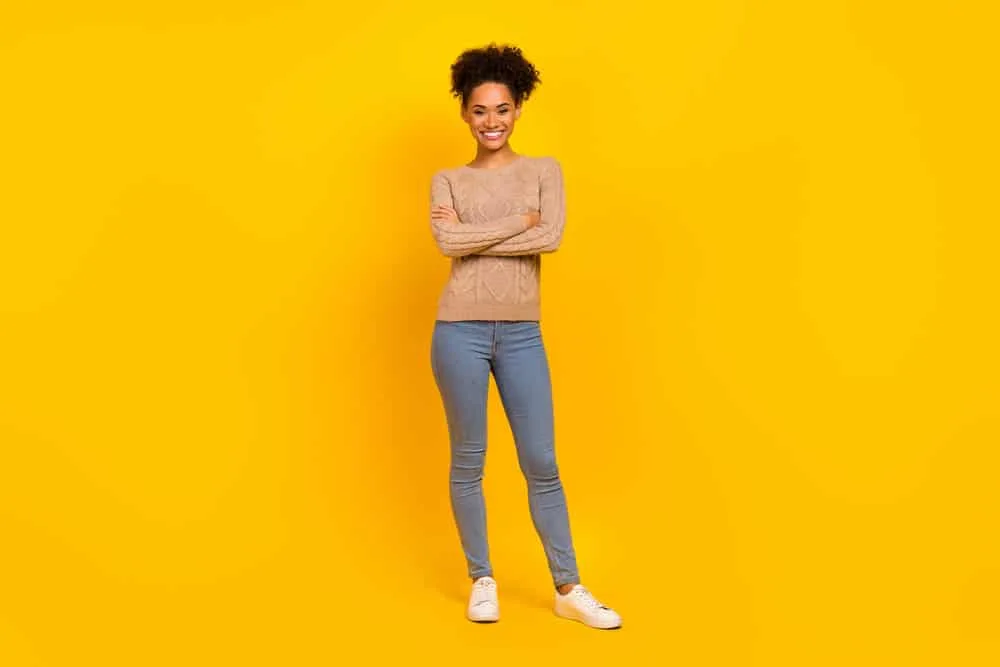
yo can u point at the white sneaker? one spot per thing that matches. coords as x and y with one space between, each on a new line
483 604
580 605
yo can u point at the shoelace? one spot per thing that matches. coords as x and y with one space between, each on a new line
482 588
588 598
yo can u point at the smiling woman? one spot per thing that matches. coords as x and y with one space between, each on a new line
495 217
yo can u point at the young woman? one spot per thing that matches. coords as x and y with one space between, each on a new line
494 217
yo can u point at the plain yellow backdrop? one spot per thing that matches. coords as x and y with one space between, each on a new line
772 326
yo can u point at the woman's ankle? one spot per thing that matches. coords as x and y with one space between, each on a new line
563 589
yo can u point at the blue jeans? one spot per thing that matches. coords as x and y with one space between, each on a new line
463 354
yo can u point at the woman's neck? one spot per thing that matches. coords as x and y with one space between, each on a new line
487 159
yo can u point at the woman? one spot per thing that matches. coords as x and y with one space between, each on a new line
494 217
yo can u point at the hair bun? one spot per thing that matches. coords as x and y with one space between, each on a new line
497 63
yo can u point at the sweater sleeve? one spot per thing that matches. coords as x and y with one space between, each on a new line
547 234
460 239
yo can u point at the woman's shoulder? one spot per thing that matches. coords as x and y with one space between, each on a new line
545 164
545 167
542 165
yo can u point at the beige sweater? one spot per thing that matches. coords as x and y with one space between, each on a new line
496 263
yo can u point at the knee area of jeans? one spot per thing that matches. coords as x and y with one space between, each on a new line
541 468
466 474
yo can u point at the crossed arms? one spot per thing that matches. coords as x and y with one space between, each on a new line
520 234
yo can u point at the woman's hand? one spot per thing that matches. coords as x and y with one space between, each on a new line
445 213
532 218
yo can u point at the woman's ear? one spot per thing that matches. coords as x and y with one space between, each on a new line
517 113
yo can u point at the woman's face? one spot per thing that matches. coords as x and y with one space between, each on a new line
490 113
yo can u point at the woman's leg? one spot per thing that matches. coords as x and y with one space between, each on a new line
460 359
522 372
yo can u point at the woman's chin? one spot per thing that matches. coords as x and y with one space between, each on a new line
493 146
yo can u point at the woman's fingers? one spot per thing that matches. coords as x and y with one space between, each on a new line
443 212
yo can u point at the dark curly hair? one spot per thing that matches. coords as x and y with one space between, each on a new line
500 64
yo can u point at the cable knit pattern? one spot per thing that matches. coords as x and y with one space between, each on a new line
495 261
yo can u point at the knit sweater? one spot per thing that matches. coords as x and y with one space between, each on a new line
495 259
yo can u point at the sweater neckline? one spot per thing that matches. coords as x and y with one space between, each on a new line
519 158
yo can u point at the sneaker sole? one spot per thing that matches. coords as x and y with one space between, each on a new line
488 619
573 617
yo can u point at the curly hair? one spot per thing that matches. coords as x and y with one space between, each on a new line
500 64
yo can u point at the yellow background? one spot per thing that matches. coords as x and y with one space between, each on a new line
772 326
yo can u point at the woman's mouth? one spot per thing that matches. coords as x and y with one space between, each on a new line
492 135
